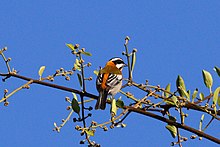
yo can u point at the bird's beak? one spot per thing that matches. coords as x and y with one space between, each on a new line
125 65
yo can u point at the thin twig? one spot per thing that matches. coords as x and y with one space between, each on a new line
6 61
179 137
16 90
86 94
128 58
208 124
81 96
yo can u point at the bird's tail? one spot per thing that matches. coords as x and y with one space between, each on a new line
101 102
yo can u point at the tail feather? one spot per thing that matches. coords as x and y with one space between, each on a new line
101 102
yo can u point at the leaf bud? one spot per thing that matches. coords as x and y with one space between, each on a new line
67 78
94 123
193 136
6 103
127 38
82 142
185 139
9 59
68 107
90 108
90 78
112 126
105 128
5 49
6 91
67 99
74 119
89 64
134 50
77 127
76 46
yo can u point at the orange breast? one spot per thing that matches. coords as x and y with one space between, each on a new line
104 80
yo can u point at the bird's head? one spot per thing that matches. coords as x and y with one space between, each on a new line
118 62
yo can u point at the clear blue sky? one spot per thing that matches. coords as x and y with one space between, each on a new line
172 38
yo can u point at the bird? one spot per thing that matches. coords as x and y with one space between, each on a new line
109 81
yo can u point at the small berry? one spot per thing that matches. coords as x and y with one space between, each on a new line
90 108
68 107
6 103
67 99
82 142
74 119
105 128
67 78
127 38
134 50
76 46
5 49
6 91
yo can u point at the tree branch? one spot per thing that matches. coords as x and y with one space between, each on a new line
130 108
178 125
86 94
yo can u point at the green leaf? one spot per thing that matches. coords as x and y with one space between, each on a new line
41 70
77 65
119 103
200 123
169 102
172 129
167 89
175 100
172 101
180 84
89 132
207 78
217 69
216 96
86 53
189 93
96 72
202 97
70 46
194 95
80 79
113 108
133 61
75 106
74 96
184 92
219 101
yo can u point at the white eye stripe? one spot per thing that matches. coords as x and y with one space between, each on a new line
115 59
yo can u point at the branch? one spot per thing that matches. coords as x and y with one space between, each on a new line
50 85
130 108
178 125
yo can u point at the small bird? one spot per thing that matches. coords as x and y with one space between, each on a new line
109 81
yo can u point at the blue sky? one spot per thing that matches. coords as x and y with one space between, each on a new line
173 38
